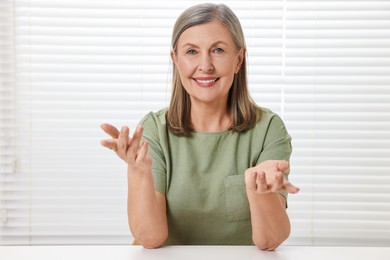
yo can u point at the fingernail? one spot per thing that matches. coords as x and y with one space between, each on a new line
139 128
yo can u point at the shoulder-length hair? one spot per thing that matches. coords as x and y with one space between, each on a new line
243 110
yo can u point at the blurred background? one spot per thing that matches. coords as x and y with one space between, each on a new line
68 66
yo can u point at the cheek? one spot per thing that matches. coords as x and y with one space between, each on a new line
226 66
185 67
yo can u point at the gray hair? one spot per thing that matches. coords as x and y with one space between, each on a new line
205 13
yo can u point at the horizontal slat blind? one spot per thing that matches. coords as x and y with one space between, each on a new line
337 108
7 107
322 65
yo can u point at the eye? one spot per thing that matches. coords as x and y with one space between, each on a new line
218 50
192 52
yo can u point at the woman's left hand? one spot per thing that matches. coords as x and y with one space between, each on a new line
269 176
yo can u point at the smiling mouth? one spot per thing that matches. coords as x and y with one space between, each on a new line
206 82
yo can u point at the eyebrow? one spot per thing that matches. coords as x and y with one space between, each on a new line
194 45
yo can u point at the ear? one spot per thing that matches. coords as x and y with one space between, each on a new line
241 56
173 57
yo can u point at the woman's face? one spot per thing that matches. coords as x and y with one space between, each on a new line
207 59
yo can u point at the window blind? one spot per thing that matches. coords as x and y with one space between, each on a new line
68 66
7 108
337 108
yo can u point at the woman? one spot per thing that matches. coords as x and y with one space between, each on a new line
212 167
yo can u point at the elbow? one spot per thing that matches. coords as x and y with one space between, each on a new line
270 243
149 237
153 241
267 245
151 245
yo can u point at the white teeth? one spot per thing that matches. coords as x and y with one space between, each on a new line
206 81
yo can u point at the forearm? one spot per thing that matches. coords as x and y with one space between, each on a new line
146 212
270 223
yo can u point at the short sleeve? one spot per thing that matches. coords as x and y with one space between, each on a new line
152 134
277 144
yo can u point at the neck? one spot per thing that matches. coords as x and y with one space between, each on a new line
208 118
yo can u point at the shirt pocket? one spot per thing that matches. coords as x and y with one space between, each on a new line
236 200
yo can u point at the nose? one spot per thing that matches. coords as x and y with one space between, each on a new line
205 63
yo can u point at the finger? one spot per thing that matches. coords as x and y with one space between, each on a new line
143 151
122 141
290 188
135 141
111 130
277 183
261 182
110 144
250 180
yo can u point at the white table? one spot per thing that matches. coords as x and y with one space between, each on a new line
192 253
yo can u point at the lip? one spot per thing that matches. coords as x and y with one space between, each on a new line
206 82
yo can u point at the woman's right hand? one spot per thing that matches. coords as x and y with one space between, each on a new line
128 149
146 207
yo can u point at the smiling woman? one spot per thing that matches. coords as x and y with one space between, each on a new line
68 66
199 177
224 29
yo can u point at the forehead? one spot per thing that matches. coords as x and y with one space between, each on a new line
206 34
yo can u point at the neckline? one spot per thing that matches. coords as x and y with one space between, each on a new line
227 131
